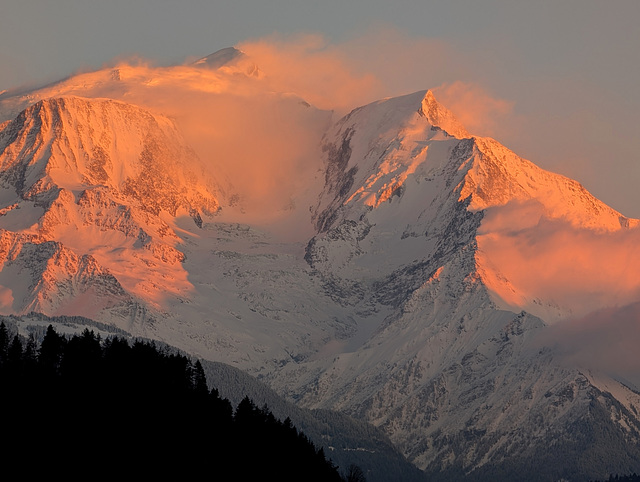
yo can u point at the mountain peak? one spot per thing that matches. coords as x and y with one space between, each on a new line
229 59
77 144
441 117
220 57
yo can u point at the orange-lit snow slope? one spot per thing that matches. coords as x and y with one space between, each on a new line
546 241
89 186
544 244
107 163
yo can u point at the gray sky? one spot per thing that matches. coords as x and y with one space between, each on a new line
556 81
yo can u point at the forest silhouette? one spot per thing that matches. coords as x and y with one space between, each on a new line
85 405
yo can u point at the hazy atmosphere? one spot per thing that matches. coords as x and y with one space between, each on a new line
555 82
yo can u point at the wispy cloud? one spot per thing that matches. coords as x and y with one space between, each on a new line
314 69
481 113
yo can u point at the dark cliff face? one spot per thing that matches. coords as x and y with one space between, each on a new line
338 179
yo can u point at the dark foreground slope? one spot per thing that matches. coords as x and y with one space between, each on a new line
87 402
87 405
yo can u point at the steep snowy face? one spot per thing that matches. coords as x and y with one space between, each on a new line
499 176
372 151
395 170
545 241
102 180
230 60
392 214
74 144
42 276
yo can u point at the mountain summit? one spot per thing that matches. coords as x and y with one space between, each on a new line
412 277
230 59
91 177
439 116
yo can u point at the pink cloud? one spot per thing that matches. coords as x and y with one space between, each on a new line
310 67
481 113
577 268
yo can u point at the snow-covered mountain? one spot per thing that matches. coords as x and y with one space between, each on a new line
454 372
86 185
401 273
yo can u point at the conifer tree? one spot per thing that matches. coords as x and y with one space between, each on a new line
51 350
31 351
4 343
198 379
14 355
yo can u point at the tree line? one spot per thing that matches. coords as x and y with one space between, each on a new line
86 405
621 478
